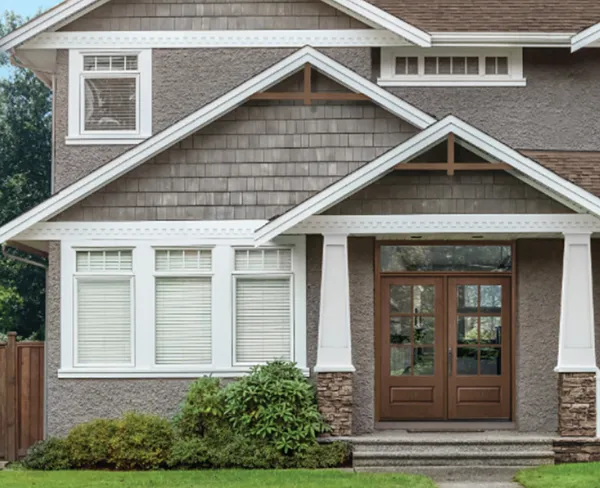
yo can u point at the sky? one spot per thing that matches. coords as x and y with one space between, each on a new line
26 8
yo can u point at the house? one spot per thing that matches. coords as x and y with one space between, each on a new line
401 197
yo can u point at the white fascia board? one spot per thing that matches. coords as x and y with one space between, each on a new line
376 17
377 168
502 39
49 19
209 113
585 37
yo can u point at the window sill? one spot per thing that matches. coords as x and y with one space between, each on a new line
103 141
107 373
390 82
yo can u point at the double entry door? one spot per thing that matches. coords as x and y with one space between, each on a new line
444 348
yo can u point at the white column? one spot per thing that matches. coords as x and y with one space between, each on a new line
576 350
334 353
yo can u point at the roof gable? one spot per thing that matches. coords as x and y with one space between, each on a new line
525 168
209 113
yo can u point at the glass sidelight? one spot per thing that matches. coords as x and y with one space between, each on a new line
412 330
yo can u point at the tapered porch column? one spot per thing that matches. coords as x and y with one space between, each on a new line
576 351
334 354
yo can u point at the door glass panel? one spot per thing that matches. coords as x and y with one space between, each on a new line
466 330
400 299
400 360
424 298
491 330
466 299
424 358
466 361
400 330
424 330
490 363
491 298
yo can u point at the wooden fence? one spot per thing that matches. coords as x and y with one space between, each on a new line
21 396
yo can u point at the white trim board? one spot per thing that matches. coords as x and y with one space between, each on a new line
285 38
209 113
70 10
585 38
415 145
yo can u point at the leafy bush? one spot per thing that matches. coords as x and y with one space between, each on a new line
202 409
275 403
89 444
140 441
48 455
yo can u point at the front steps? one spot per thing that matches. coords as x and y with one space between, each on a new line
452 456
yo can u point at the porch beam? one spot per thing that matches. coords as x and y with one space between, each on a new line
451 168
334 352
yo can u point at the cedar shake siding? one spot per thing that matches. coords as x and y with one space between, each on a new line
160 15
467 192
254 163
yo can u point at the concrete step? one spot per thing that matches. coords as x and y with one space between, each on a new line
448 446
440 474
498 458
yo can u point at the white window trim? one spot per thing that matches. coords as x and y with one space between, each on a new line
144 365
390 78
76 135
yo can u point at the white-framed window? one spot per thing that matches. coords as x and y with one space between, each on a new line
409 66
145 308
103 307
264 314
183 306
110 97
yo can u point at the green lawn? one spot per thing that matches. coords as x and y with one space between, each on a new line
210 479
584 475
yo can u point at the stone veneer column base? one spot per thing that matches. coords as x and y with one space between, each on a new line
576 450
334 396
577 405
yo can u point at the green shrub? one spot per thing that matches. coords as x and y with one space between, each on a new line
201 410
319 456
275 403
89 443
140 442
48 455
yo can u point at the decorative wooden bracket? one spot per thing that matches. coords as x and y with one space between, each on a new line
450 166
307 95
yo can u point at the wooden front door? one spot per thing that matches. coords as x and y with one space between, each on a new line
444 348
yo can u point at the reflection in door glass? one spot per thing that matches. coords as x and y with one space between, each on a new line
466 361
466 298
400 299
424 358
424 330
424 298
466 330
491 298
400 328
400 361
490 363
491 330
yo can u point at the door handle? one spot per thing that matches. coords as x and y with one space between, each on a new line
449 361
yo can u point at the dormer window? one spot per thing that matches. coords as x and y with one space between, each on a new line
110 97
407 66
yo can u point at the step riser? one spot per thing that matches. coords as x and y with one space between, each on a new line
450 448
391 463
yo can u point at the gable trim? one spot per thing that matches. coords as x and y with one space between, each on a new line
70 10
585 37
209 113
377 168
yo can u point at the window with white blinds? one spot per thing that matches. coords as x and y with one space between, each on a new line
183 306
104 317
263 305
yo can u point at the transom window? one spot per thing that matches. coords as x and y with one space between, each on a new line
110 96
451 66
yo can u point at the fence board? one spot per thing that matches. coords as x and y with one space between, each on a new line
21 396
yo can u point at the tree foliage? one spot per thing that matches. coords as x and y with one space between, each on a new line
25 159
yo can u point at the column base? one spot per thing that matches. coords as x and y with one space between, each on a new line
335 399
576 450
577 404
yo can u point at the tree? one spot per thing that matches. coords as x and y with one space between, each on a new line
25 158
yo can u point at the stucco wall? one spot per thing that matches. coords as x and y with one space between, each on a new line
183 81
147 15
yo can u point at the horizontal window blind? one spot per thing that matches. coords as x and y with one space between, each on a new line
199 260
263 319
110 104
183 320
98 261
104 321
110 63
263 260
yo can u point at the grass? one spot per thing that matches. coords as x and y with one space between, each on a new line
584 475
210 479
